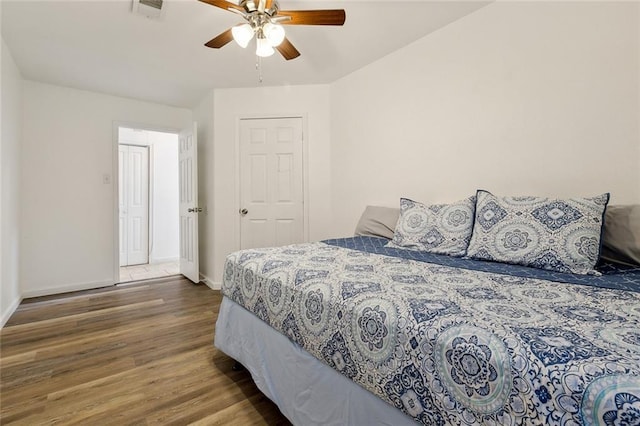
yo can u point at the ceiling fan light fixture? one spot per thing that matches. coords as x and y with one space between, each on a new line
242 34
263 19
263 48
274 33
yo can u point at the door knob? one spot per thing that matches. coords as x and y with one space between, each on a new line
195 209
243 212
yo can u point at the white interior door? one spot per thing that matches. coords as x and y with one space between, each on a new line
134 204
188 182
123 163
271 182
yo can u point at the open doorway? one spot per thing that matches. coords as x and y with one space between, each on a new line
148 204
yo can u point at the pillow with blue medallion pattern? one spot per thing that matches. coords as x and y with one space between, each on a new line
554 234
439 228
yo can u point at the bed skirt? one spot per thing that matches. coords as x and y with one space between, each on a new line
307 391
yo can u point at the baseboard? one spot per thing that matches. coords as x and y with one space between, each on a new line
10 310
66 288
210 283
153 260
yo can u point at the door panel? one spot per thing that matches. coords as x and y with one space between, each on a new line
188 174
271 182
258 173
259 233
138 205
285 231
285 184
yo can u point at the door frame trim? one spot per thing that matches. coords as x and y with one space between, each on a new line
305 169
115 170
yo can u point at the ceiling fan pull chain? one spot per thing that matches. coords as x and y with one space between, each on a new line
259 68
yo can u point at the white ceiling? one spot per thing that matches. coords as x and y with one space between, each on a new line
103 47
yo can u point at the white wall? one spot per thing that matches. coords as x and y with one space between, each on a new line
516 98
164 214
11 112
67 239
230 105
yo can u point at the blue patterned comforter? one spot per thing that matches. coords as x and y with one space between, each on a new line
611 275
451 345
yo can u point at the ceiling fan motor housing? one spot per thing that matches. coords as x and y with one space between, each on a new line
252 8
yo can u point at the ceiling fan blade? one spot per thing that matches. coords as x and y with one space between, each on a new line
220 40
223 4
287 50
313 17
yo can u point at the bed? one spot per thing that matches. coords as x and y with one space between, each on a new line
353 331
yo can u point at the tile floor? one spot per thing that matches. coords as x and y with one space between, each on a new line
150 270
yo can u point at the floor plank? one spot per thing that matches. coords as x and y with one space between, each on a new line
134 354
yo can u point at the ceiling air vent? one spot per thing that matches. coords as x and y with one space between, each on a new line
149 8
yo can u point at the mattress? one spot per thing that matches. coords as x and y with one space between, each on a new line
453 343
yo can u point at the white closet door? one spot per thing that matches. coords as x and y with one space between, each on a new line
134 207
271 182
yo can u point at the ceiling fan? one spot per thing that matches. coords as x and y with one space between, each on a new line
264 20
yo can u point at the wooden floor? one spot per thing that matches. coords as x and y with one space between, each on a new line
136 354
